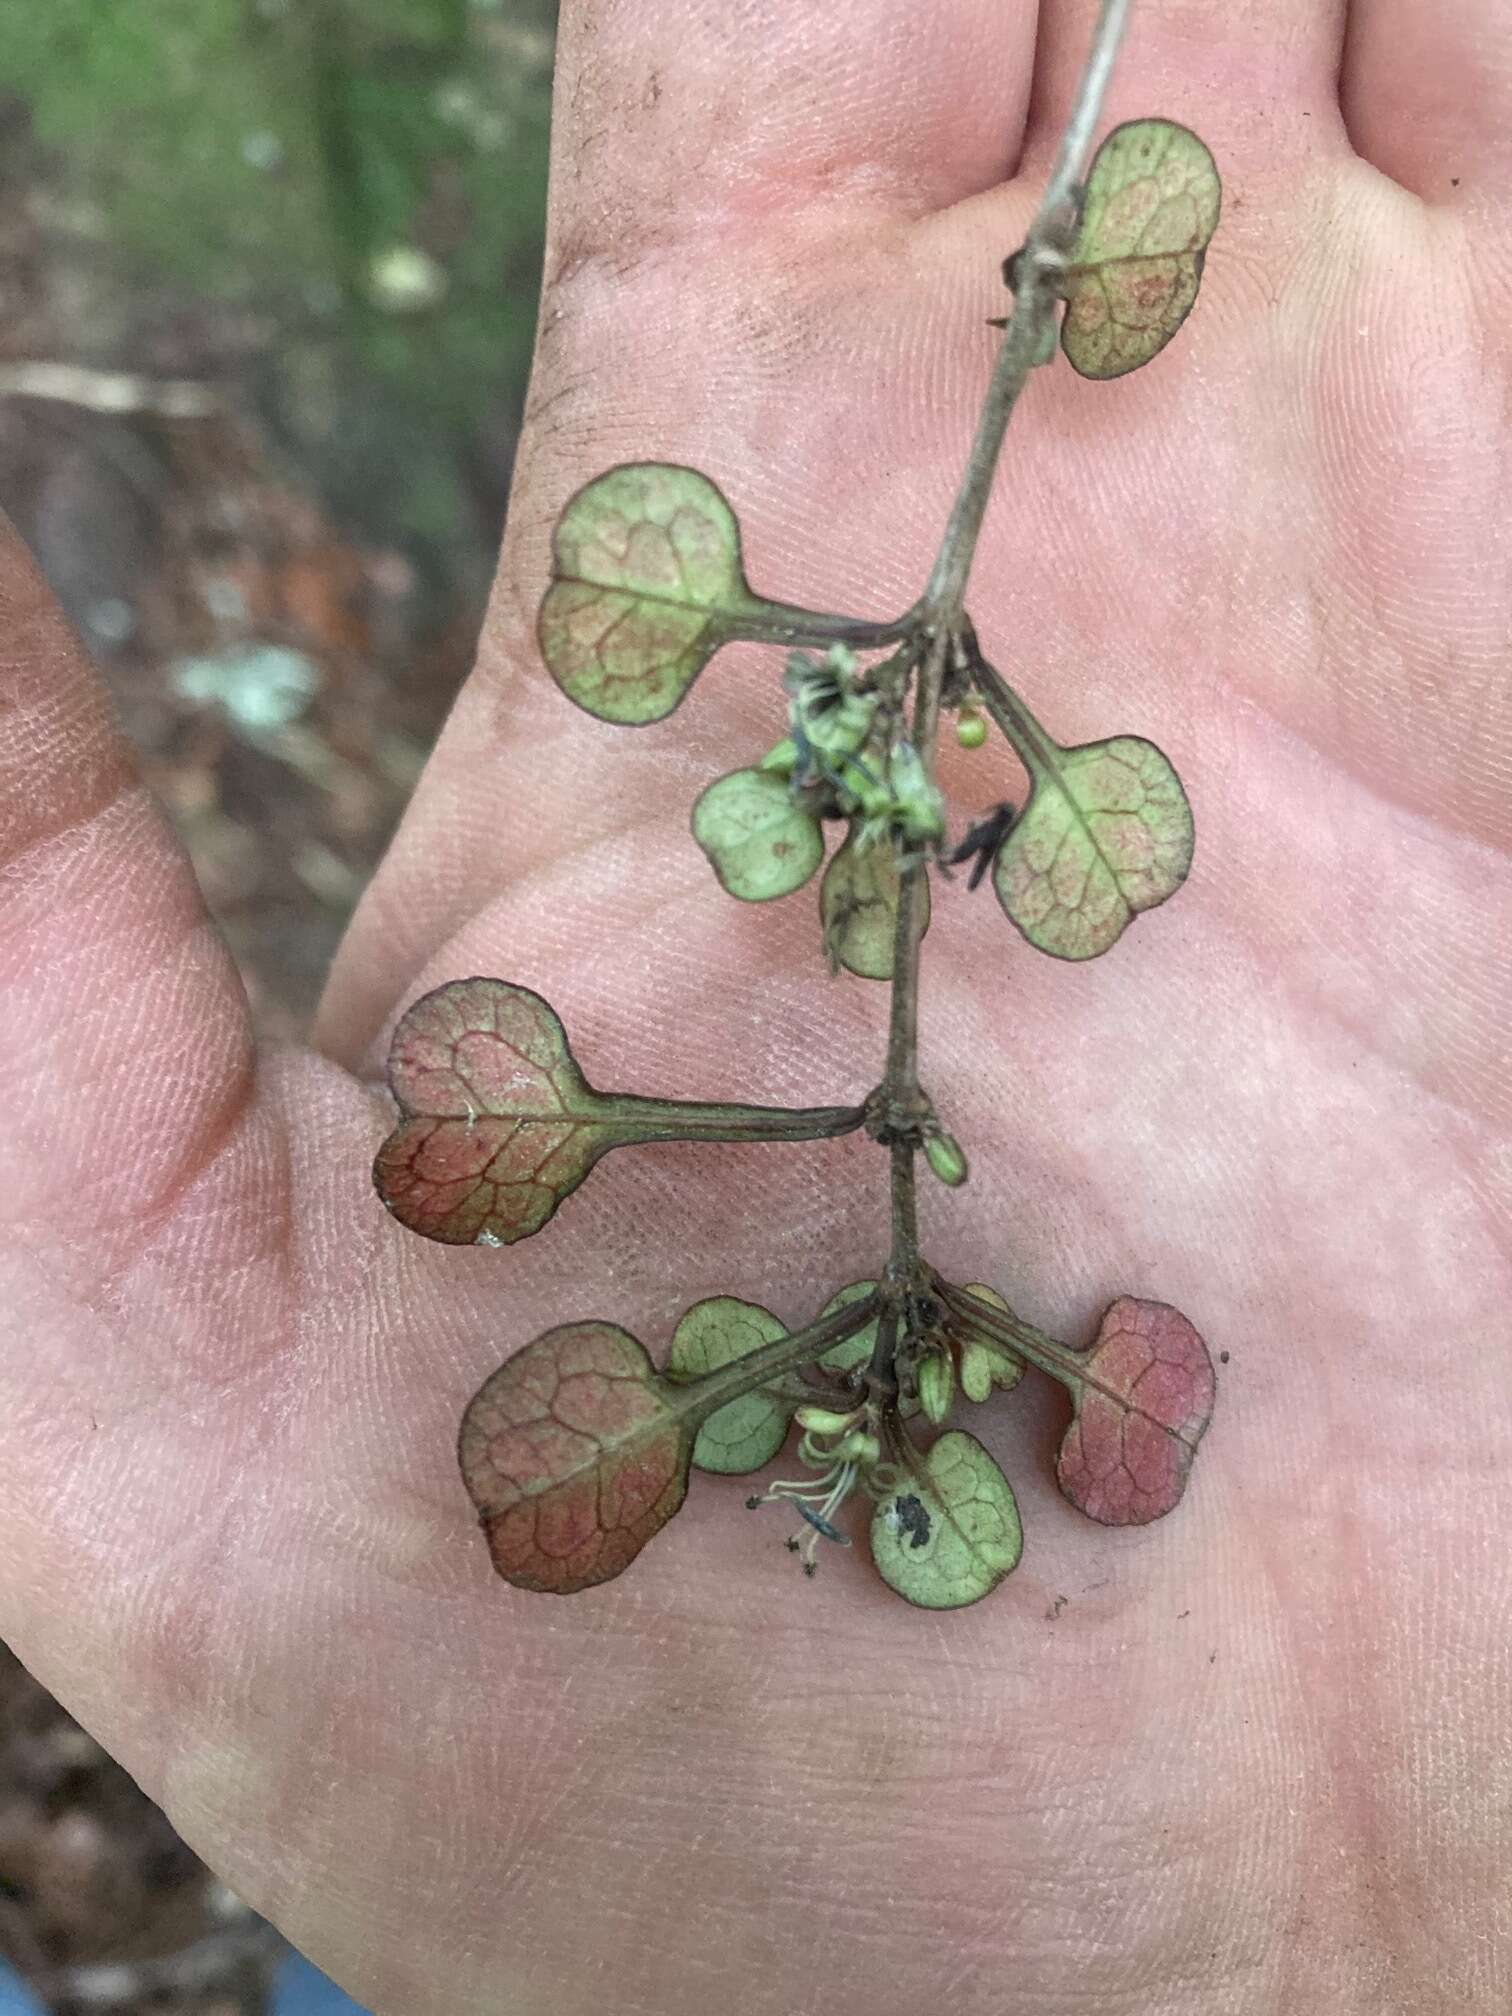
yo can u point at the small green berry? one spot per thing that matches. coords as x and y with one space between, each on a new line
971 730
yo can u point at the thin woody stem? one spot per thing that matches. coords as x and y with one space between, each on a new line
1041 263
940 616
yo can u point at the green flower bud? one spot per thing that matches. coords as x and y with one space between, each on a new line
821 1421
859 1447
946 1158
936 1385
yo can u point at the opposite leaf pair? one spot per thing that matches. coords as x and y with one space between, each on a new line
577 1450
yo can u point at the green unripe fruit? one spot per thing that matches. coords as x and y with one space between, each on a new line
971 731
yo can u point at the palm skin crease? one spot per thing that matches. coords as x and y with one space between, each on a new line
1256 1761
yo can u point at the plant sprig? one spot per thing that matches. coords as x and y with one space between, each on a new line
577 1450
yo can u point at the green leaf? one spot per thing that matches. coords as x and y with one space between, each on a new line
749 1431
951 1532
856 1350
575 1452
760 844
647 585
1151 206
1107 833
858 905
499 1124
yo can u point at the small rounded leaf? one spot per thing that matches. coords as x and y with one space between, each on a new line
1151 206
1143 1399
1107 833
499 1124
574 1452
647 585
858 906
948 1537
857 1350
749 1431
759 843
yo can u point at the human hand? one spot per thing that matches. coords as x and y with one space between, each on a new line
1256 1760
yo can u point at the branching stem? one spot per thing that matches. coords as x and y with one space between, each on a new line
1041 263
942 625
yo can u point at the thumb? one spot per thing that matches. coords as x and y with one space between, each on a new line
127 1048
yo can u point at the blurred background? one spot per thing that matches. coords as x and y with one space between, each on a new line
268 274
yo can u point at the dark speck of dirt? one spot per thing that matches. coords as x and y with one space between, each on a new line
913 1519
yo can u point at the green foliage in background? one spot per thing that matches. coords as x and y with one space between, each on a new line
368 174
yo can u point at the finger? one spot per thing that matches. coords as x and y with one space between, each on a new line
675 113
122 1022
711 355
1259 82
1427 94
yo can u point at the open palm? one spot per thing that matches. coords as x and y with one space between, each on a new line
1250 1759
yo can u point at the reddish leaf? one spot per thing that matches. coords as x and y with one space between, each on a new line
575 1452
1143 1397
1145 1400
500 1123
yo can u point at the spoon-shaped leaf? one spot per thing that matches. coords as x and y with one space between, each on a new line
576 1451
1152 202
1145 1403
858 905
1143 1397
1107 833
648 583
500 1124
749 1431
950 1533
759 843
